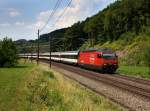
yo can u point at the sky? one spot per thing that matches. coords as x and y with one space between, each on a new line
20 19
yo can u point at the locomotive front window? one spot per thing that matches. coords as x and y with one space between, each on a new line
99 55
109 56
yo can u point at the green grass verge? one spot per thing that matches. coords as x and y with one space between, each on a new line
35 88
10 79
136 71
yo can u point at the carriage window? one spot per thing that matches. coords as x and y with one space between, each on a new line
55 56
69 56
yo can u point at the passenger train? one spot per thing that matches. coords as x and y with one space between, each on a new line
103 60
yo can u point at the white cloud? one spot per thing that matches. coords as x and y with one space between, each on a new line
5 25
13 12
19 23
39 24
40 20
43 15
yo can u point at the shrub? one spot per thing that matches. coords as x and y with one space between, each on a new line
147 56
138 55
8 53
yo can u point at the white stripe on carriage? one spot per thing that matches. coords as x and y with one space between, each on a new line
69 60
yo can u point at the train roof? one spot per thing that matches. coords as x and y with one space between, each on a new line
63 53
70 53
99 50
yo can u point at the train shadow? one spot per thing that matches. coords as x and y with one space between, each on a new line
100 71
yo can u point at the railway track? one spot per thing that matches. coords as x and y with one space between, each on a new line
142 81
137 86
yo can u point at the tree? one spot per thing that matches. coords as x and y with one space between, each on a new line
8 53
74 37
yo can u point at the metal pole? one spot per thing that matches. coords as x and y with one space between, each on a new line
38 48
31 52
50 63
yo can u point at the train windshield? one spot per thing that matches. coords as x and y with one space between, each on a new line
109 56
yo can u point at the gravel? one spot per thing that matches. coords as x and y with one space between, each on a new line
127 99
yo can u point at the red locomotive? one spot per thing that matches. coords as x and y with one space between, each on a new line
102 59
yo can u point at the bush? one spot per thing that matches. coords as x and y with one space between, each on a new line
147 57
137 55
8 53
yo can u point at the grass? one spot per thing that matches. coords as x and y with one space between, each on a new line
136 71
36 88
10 78
77 98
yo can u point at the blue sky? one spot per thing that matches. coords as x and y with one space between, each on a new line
20 19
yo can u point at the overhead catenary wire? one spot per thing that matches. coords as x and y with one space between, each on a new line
63 12
52 13
63 4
